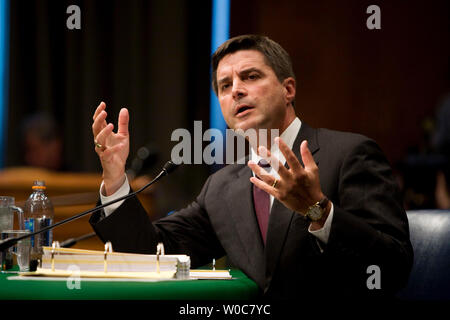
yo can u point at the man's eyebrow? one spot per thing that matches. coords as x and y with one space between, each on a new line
249 70
224 79
241 73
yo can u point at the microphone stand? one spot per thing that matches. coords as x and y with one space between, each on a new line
72 241
168 168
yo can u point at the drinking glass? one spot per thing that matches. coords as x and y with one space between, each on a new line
21 250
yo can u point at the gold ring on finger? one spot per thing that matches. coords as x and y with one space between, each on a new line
97 145
274 185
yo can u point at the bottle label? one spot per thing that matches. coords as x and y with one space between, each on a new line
41 239
29 225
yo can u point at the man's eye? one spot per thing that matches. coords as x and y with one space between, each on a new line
253 76
224 86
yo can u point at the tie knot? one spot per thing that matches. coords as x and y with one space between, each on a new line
264 164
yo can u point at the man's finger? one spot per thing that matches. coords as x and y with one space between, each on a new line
99 123
103 134
100 108
290 157
275 163
307 157
260 172
264 186
123 122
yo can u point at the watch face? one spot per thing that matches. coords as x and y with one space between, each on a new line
315 213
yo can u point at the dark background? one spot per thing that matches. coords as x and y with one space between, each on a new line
153 58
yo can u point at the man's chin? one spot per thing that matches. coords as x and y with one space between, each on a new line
247 124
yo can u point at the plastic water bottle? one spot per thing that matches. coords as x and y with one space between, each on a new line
38 213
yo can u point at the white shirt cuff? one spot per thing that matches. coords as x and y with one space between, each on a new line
123 191
324 233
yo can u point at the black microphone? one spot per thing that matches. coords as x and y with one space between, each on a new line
168 168
146 157
73 241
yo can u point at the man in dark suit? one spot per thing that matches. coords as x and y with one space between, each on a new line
324 220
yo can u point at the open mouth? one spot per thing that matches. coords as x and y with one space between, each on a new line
242 110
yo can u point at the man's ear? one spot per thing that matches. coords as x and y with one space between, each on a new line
289 87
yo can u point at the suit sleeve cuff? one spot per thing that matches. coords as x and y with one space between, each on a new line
122 191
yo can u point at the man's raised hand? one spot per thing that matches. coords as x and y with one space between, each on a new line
298 187
112 148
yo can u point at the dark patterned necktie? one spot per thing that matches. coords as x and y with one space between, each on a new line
261 201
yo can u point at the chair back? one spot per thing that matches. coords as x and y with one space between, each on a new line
430 238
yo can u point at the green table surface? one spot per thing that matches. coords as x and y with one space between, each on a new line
238 288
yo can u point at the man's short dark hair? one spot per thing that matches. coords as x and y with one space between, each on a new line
275 56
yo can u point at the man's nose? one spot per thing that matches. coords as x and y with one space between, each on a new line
239 90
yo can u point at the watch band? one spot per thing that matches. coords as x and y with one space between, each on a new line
324 202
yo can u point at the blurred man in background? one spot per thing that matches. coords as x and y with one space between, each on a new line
42 142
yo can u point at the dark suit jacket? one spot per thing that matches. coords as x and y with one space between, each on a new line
369 226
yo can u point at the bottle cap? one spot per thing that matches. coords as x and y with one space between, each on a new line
38 185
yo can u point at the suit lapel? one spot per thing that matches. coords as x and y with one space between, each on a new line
280 216
243 214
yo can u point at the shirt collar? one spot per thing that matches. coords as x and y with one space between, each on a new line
288 137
